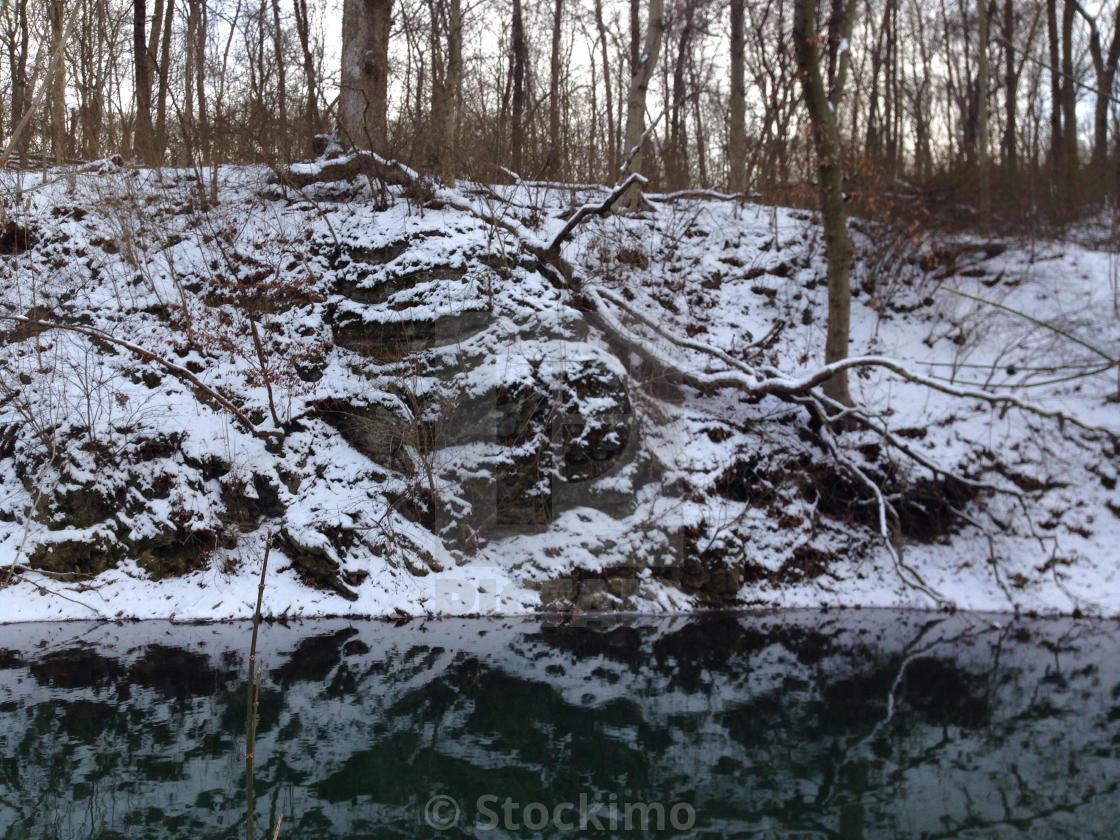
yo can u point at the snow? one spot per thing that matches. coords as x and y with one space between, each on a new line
131 254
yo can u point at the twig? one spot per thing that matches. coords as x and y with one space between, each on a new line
178 371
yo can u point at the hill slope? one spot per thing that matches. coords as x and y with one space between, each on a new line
425 421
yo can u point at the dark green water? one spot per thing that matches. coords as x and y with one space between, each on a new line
856 724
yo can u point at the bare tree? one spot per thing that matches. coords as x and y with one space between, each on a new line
281 79
983 152
144 135
1104 66
364 90
57 15
552 162
518 60
636 100
164 80
303 32
737 139
608 88
821 106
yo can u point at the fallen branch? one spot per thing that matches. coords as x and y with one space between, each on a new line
712 195
346 168
602 208
178 371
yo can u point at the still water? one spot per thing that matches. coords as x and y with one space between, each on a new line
806 724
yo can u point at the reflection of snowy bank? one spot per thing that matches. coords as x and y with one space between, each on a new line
894 723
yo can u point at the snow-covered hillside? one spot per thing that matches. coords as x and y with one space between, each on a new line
425 422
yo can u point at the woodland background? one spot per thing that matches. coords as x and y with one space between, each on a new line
1004 104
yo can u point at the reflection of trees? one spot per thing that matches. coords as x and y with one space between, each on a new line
832 725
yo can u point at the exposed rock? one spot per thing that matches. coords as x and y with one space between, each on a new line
176 550
314 564
507 412
80 506
15 239
390 341
247 503
88 555
608 592
397 283
376 430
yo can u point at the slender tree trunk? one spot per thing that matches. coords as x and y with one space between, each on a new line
56 14
1069 98
518 59
821 108
364 91
311 106
874 144
281 80
698 124
453 83
676 157
632 155
552 163
187 117
983 152
1105 69
635 35
144 141
1011 90
18 68
200 80
1057 158
164 69
737 137
608 89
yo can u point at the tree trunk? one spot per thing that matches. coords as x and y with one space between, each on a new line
199 8
1011 90
143 140
186 116
632 157
17 61
698 124
826 138
453 84
281 80
164 69
518 59
676 155
1069 98
608 88
983 160
364 91
56 15
303 32
1105 69
552 163
1056 157
635 35
737 137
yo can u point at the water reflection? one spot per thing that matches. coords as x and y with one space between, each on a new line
858 724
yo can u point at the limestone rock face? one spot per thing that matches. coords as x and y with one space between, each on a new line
499 418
